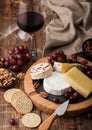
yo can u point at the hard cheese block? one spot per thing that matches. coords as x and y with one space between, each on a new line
79 81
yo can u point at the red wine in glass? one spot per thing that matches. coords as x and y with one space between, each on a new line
30 21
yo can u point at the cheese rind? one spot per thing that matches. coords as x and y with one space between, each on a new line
79 81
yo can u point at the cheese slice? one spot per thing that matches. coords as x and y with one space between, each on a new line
79 81
55 84
63 67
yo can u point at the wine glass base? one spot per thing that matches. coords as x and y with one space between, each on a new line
23 35
36 53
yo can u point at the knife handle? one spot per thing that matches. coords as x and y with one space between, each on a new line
47 123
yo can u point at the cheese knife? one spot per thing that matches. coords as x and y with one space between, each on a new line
58 112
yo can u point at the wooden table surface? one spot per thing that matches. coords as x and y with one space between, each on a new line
8 14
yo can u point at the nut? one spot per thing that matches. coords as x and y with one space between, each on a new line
36 85
43 94
70 126
6 77
21 75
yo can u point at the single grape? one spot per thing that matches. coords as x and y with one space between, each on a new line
56 100
76 95
71 90
89 73
64 57
19 56
11 52
61 53
72 99
28 56
55 56
12 121
19 62
10 67
6 59
17 51
15 68
89 115
21 48
60 59
67 95
12 61
50 58
86 67
26 50
52 62
6 64
82 69
74 58
11 57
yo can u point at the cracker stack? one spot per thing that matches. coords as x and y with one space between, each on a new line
19 100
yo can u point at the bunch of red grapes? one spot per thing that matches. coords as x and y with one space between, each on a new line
17 57
73 95
87 70
60 56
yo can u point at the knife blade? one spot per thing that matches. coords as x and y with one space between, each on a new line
58 112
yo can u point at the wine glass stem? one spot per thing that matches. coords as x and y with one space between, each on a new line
33 45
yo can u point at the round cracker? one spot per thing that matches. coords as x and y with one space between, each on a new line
23 105
8 94
15 97
31 120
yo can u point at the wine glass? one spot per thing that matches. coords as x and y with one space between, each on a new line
30 20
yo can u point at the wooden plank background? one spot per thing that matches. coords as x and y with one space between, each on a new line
8 13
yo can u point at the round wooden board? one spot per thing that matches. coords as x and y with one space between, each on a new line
49 107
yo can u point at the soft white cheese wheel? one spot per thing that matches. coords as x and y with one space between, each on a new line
55 84
41 70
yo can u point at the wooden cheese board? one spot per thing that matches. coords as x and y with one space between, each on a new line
49 107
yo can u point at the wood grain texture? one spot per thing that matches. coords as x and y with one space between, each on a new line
8 11
49 107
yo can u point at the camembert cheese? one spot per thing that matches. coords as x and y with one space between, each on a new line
79 81
55 84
